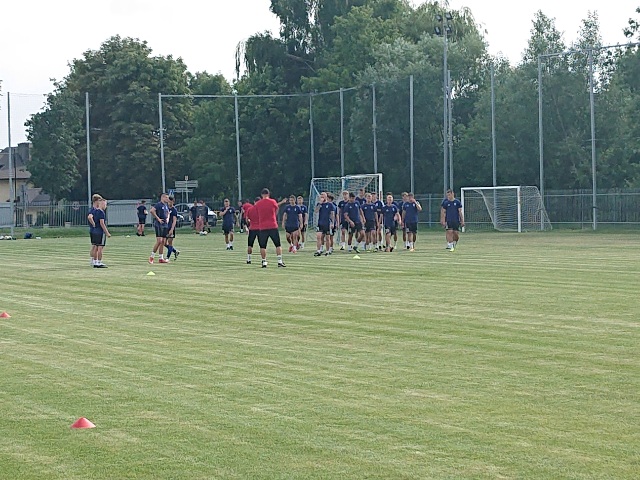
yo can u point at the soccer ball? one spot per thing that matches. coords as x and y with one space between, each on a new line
204 232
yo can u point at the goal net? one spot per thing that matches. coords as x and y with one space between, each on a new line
506 209
371 183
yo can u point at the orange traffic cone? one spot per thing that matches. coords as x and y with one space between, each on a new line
83 423
5 315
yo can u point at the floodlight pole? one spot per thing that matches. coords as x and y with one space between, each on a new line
593 141
311 138
411 131
540 131
450 129
341 131
445 118
374 128
235 98
12 191
164 182
493 129
88 129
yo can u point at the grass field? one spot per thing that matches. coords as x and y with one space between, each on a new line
517 356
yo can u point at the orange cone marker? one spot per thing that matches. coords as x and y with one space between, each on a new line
5 315
83 423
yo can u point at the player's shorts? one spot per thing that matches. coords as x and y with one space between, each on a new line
323 229
142 220
161 231
357 227
290 229
411 227
345 225
251 239
171 235
391 230
370 226
227 229
98 239
451 225
265 235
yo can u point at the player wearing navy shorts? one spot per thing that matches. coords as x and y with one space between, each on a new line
325 215
142 217
171 231
98 230
391 220
353 216
228 215
305 221
451 218
160 214
291 221
400 205
411 208
334 222
379 204
370 222
344 225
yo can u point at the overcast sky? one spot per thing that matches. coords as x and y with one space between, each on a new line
40 37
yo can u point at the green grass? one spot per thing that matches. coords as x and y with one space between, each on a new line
517 356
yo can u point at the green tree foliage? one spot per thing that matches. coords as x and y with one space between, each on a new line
123 80
356 45
55 134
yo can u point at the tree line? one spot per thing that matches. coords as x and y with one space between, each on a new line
326 45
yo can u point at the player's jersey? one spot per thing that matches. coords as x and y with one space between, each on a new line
303 211
389 214
353 211
266 210
228 217
324 213
162 211
411 212
361 200
292 212
379 205
142 211
335 216
451 210
252 216
341 208
97 216
400 205
369 211
173 213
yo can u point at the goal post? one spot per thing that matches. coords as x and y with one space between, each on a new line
371 183
506 209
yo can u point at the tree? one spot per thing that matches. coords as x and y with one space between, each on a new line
123 80
55 134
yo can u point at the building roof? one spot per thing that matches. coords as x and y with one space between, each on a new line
18 155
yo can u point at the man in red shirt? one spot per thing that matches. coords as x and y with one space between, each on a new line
267 210
243 215
253 226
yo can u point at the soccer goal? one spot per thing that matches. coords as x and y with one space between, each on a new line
371 183
506 209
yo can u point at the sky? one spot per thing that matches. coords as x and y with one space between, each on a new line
41 37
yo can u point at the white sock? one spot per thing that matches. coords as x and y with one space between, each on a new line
153 255
248 257
279 258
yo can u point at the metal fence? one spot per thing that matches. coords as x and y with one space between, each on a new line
67 214
566 208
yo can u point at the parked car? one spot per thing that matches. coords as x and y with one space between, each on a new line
184 209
